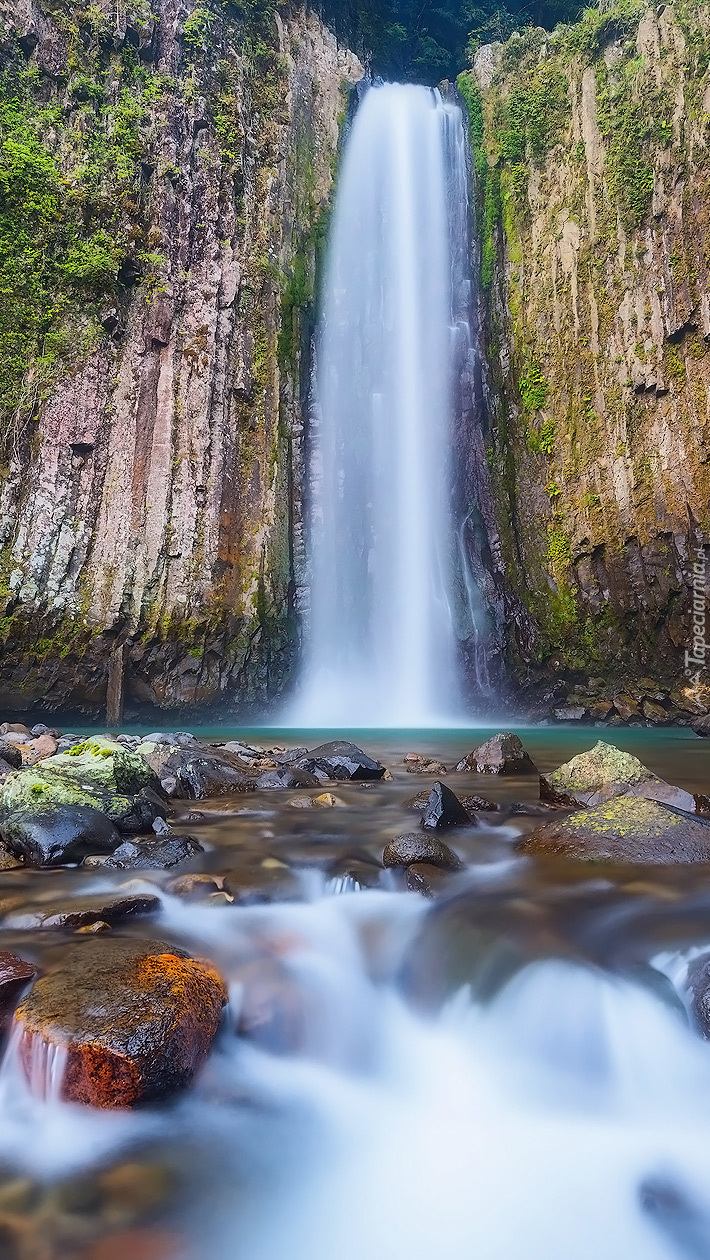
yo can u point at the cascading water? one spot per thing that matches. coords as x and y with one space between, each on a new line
381 639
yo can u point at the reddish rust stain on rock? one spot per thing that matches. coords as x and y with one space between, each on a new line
136 1019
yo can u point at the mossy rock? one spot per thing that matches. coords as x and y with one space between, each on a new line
103 765
628 829
599 766
99 774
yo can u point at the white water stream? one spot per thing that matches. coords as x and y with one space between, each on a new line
380 644
535 1126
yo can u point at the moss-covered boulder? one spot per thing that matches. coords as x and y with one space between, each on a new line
97 775
627 829
604 772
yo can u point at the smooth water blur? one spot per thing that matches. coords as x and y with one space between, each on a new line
380 641
369 1097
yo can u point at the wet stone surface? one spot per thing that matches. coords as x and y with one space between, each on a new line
304 917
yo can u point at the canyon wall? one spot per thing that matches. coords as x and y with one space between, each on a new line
592 177
166 175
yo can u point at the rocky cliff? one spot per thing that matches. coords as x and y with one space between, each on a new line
592 175
165 178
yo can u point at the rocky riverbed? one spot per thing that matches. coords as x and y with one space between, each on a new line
183 917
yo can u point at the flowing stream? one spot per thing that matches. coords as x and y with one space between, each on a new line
380 641
508 1071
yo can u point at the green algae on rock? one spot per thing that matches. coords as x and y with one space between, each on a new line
627 829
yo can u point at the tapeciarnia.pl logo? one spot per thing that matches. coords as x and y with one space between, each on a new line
695 660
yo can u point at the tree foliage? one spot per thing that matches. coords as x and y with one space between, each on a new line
427 40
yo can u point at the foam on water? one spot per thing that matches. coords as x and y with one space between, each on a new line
536 1125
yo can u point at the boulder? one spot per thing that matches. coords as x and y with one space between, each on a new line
702 727
426 878
15 977
501 754
81 912
474 804
287 777
626 829
570 713
53 835
443 809
99 774
11 754
415 848
195 886
150 853
416 764
342 760
605 771
261 884
14 728
135 1020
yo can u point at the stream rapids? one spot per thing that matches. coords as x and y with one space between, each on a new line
506 1070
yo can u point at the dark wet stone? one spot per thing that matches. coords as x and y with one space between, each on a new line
501 754
10 754
194 887
136 1018
201 775
287 777
82 911
699 985
323 855
342 760
15 976
55 835
364 874
701 726
290 756
625 829
425 878
474 804
145 853
258 885
457 945
416 847
443 810
671 1208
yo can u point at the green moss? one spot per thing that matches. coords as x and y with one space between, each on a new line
533 388
559 550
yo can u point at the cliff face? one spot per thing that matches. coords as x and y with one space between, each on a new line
593 191
166 173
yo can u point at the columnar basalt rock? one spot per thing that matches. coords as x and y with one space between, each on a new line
150 500
592 179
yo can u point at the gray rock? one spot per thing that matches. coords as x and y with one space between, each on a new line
343 760
501 754
81 912
148 853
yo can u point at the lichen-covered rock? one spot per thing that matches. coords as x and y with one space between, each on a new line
501 754
132 1019
415 848
626 829
52 835
604 772
443 809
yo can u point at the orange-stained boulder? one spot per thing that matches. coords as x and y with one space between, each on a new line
129 1021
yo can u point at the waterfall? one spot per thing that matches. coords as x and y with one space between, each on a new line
381 641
